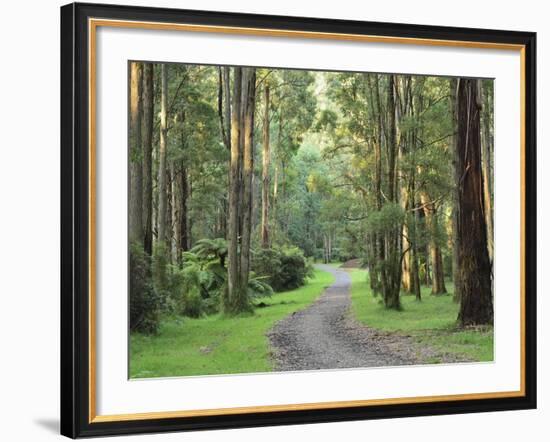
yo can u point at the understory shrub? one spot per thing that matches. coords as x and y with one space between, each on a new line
283 268
145 302
196 286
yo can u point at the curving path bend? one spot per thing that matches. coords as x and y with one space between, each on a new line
324 336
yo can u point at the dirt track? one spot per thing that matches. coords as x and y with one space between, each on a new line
323 336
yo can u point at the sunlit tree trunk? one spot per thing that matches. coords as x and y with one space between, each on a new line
474 267
249 103
136 168
406 272
162 249
453 84
240 189
486 154
162 190
234 191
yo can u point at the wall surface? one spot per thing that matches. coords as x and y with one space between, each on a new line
29 221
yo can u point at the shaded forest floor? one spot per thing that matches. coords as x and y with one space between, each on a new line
217 344
430 324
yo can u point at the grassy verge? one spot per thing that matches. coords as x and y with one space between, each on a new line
430 322
217 344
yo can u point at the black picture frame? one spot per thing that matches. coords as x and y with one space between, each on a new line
75 220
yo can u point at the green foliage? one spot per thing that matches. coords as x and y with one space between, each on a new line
283 268
197 285
258 287
211 249
387 219
145 302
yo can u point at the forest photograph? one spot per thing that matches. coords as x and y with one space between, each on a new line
286 220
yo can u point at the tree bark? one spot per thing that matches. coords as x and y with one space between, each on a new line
136 169
438 276
378 239
486 168
406 277
391 270
173 214
265 172
227 103
453 84
474 267
183 193
415 278
162 157
233 265
148 113
249 103
240 190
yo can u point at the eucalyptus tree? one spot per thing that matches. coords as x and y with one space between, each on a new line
243 106
474 267
135 157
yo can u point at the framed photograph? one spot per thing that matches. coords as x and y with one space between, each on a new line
275 220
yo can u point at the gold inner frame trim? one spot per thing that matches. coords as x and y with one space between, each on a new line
93 24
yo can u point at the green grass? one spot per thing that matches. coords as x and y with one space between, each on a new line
430 322
218 344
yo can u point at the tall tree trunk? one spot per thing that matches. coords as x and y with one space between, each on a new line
438 280
265 172
233 265
486 145
249 82
379 239
174 214
135 224
222 105
391 270
453 84
227 103
136 168
406 277
183 193
240 195
163 203
438 276
415 279
148 113
162 249
474 267
189 218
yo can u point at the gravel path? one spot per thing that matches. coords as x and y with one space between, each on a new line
324 336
